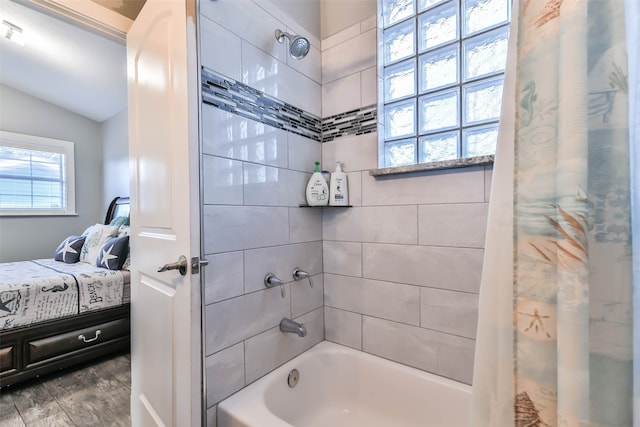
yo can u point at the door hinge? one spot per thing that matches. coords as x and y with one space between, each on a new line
197 263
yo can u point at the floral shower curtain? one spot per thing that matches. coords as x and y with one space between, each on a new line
556 323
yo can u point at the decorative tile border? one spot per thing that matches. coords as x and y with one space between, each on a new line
245 101
355 122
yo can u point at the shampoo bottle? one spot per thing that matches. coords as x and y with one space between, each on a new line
339 189
317 189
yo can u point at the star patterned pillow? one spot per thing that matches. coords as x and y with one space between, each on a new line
69 250
96 236
113 253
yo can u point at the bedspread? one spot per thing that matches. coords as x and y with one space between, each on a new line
34 291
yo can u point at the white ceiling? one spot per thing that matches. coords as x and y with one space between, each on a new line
63 64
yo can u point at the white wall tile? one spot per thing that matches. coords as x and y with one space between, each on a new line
447 186
224 276
383 224
343 258
357 153
387 300
225 373
220 49
273 348
303 153
449 311
281 260
219 129
457 269
263 144
310 65
343 327
305 225
341 37
222 179
354 55
248 21
305 298
293 26
441 354
369 86
354 181
268 350
341 95
232 228
368 24
461 225
314 324
269 186
488 176
231 321
228 135
265 73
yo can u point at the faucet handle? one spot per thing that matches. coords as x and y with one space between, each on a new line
299 274
271 280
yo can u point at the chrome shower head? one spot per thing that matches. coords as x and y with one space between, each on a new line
298 45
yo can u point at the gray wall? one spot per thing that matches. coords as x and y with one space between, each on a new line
115 152
23 238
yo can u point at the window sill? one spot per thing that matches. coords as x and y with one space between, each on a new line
445 164
18 214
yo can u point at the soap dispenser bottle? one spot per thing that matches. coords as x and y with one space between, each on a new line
339 190
317 189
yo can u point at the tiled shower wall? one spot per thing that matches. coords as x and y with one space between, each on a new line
254 177
397 275
402 267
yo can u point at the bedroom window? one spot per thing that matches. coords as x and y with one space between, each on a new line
442 65
36 176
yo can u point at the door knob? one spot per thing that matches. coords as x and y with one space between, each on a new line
180 265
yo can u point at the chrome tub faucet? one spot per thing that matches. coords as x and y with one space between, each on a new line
288 325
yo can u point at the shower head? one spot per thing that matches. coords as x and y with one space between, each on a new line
298 45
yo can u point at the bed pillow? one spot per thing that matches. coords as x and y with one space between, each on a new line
98 234
69 250
87 230
113 253
124 231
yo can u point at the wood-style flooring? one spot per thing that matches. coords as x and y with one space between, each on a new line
93 394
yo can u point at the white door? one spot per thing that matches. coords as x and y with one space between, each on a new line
163 143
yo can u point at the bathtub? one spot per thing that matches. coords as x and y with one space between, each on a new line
340 387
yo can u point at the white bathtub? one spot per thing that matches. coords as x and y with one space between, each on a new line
340 387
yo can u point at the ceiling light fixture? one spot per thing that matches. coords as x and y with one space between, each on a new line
12 32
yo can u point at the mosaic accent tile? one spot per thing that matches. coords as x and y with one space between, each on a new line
356 122
243 100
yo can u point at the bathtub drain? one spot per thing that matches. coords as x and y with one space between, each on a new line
294 376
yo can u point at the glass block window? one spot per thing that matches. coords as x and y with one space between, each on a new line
442 65
36 175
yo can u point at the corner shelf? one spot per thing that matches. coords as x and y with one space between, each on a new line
304 205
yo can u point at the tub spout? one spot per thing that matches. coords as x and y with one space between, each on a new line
288 325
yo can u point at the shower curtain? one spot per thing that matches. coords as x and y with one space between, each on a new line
555 341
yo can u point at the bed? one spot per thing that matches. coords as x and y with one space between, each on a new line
58 312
